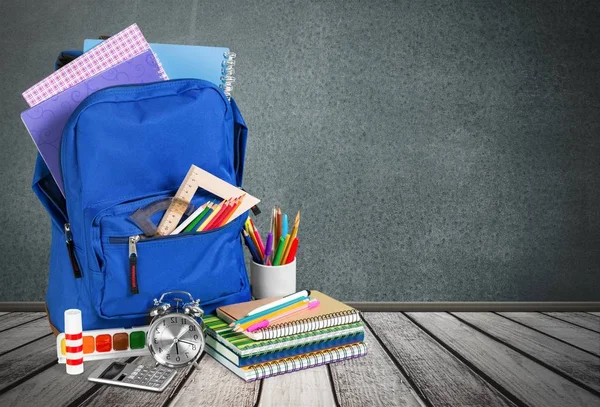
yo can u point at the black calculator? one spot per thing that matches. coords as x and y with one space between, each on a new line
133 376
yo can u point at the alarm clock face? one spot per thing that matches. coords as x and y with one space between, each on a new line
175 340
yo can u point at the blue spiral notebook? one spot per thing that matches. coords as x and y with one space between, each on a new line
213 64
284 353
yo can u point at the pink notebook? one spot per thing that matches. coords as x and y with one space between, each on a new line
119 48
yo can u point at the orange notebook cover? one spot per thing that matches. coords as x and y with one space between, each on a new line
330 312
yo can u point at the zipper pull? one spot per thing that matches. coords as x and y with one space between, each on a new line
133 264
71 250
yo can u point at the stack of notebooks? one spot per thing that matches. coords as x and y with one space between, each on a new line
328 333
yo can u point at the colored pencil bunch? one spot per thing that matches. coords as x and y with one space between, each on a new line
263 316
280 247
209 216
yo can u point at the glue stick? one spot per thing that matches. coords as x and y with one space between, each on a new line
74 341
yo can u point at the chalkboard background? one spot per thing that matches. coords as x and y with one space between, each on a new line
438 151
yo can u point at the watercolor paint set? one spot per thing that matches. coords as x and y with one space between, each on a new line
107 343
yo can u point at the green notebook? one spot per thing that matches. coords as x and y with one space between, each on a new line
243 346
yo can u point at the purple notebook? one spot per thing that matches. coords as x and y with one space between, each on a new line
46 121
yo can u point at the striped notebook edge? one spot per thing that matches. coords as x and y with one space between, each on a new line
244 346
305 325
283 353
292 364
293 342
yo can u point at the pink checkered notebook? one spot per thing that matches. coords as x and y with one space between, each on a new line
119 48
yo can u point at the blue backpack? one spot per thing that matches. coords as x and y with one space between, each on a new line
122 149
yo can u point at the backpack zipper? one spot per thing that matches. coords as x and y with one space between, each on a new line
71 250
133 285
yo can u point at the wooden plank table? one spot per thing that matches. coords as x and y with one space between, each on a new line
415 359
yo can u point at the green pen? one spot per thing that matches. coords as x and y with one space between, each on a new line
279 253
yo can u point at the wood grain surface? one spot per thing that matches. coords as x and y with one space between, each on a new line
423 359
582 319
574 335
371 380
18 318
530 382
439 377
570 361
308 387
27 361
52 387
20 335
213 385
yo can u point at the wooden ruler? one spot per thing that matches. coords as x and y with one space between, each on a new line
180 202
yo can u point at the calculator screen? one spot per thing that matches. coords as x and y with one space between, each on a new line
113 370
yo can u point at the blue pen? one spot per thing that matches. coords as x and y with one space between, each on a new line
284 226
252 248
267 311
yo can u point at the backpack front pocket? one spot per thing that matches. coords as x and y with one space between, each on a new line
209 265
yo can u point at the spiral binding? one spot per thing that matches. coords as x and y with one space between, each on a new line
161 70
227 72
306 361
310 324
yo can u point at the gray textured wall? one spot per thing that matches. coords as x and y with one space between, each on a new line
438 150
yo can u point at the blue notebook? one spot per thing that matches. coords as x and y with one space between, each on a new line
213 64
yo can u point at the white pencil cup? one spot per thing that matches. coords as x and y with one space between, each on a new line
272 281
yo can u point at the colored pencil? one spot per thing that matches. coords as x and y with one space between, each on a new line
232 211
273 228
253 250
210 217
273 306
269 249
189 219
293 236
268 321
292 253
242 327
251 232
284 225
286 243
217 219
277 258
261 246
205 212
277 230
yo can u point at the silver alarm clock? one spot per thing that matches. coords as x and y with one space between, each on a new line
176 334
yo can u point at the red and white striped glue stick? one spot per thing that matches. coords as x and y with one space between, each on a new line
74 341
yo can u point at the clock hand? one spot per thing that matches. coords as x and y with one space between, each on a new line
184 331
188 342
177 347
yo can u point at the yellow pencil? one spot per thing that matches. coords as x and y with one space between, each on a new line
214 213
286 252
250 230
242 327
